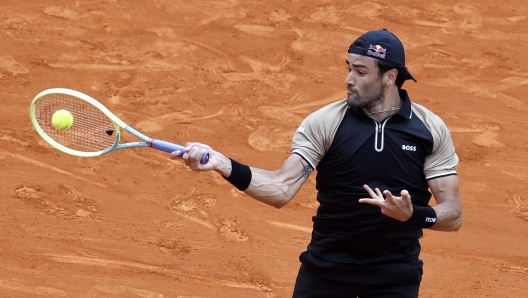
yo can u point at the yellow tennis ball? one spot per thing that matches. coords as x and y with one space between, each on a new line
62 119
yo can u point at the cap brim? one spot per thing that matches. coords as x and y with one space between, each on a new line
410 76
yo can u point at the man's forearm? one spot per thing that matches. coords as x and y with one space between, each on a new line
275 188
448 217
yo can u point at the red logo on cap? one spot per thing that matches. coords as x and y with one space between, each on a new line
377 51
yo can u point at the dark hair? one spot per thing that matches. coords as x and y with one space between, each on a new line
384 66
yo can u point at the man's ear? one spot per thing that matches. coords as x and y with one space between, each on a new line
390 77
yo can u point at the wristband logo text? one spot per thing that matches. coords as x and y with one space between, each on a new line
430 219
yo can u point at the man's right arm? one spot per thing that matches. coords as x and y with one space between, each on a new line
275 188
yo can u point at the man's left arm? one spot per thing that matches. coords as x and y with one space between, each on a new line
448 207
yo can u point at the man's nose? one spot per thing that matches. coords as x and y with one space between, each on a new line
350 79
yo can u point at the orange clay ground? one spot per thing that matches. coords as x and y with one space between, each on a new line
240 76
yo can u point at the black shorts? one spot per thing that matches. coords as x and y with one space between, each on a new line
398 280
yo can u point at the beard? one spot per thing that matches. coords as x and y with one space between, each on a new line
368 98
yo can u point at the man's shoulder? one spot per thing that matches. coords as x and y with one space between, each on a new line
331 108
432 121
423 112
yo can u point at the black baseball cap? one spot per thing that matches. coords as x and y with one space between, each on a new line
382 45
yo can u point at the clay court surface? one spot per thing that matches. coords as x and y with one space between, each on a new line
240 76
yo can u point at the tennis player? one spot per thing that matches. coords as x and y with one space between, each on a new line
380 158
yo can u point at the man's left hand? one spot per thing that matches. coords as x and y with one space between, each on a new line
399 208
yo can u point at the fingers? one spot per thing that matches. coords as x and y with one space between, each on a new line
375 197
396 207
405 195
192 152
369 190
388 195
175 154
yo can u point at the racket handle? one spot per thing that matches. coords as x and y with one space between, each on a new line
170 147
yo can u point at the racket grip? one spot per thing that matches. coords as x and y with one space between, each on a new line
170 147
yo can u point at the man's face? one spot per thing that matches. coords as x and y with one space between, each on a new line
364 85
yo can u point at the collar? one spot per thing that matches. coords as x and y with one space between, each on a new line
405 110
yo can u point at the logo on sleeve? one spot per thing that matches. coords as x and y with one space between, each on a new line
408 148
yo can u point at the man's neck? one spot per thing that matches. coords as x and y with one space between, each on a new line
390 106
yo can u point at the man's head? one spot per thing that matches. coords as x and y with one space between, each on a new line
386 49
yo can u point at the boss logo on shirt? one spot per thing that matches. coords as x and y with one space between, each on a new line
409 148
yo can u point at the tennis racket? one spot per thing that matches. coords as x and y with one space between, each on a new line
95 130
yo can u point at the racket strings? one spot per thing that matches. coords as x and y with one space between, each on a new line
92 130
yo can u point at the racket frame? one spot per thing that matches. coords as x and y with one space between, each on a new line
118 124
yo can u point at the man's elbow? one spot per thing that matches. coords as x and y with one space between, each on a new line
456 223
281 201
279 204
449 223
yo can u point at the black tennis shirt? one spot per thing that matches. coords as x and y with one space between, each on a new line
349 149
